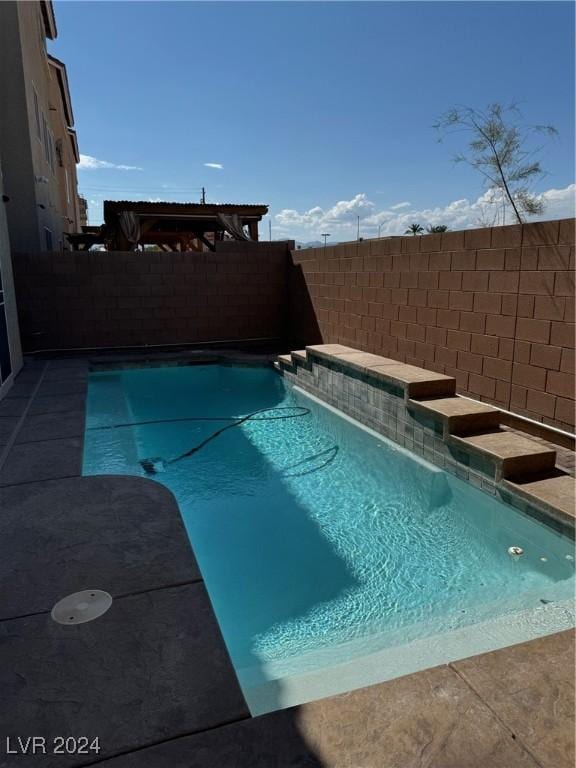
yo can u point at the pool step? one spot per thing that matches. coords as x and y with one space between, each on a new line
285 362
365 361
300 358
459 415
513 455
521 465
556 493
415 382
328 350
474 428
352 358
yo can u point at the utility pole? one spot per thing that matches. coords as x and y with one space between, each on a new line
270 230
203 196
325 235
358 229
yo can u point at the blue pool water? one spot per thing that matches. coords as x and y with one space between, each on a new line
332 557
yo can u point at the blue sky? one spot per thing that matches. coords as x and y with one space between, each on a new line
324 111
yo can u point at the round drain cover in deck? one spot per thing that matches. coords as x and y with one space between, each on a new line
80 607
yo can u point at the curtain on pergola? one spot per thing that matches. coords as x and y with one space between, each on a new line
130 226
233 225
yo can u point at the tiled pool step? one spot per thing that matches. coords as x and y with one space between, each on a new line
556 492
285 361
513 455
471 431
299 357
458 415
415 382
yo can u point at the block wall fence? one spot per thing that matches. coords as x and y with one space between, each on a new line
83 299
493 307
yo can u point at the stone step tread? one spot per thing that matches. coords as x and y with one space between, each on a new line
558 492
285 359
403 372
453 406
329 350
408 373
366 360
503 445
416 382
300 355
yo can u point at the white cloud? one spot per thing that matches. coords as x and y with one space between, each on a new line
89 163
344 214
219 166
341 219
399 205
561 201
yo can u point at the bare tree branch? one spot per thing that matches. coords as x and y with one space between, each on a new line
497 149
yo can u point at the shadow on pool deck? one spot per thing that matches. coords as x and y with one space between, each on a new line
152 679
152 669
265 561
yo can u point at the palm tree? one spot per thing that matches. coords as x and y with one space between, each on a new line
414 229
436 229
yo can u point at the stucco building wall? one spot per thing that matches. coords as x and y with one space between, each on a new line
30 121
9 330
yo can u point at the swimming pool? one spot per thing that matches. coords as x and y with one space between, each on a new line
333 558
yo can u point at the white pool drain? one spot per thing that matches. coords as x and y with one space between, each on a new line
515 551
80 607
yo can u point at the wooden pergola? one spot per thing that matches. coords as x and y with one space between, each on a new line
178 226
129 225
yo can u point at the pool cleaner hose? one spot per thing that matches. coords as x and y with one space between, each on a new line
152 465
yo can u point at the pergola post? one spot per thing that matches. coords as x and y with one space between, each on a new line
253 229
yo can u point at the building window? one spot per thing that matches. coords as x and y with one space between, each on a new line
48 236
37 113
46 138
58 146
51 149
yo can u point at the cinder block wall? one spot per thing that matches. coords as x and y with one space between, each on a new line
105 299
492 307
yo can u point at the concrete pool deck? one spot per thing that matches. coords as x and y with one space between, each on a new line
152 678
